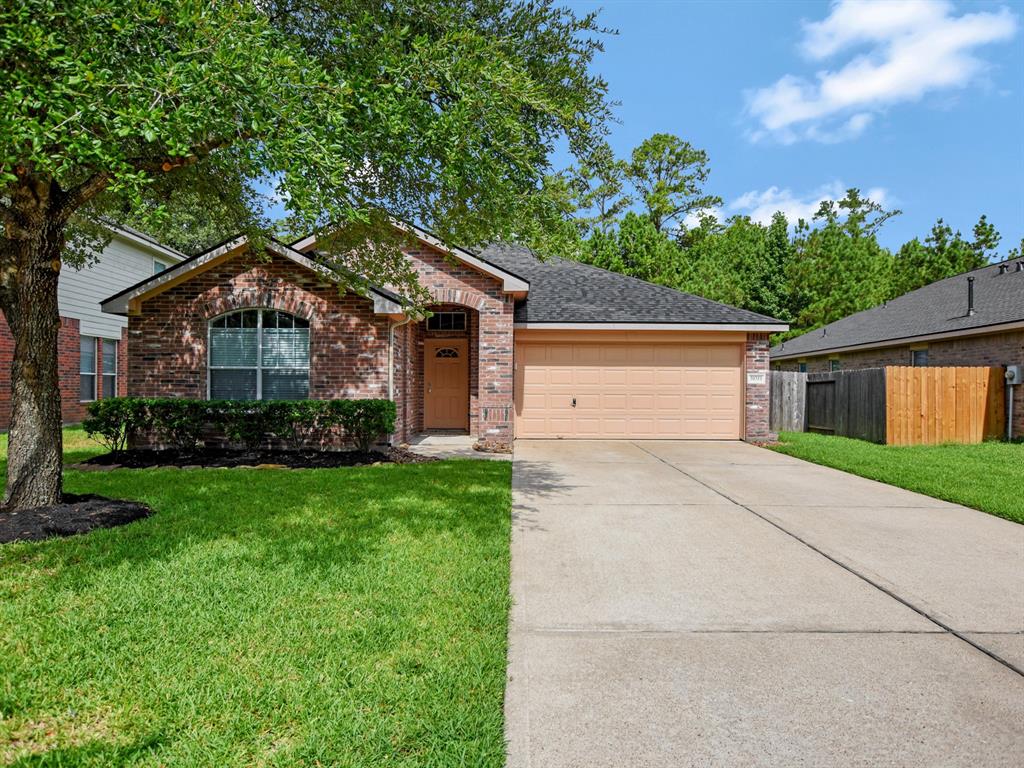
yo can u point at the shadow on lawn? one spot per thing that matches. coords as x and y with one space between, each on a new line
92 753
308 519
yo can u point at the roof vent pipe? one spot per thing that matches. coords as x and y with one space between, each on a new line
1020 266
1003 268
970 296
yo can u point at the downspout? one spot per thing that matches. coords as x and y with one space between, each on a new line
391 364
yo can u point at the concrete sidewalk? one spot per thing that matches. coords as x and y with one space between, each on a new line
686 604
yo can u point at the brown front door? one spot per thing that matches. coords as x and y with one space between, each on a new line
446 378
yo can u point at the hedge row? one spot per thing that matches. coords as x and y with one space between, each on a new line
117 421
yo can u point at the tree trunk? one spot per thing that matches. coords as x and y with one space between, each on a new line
29 302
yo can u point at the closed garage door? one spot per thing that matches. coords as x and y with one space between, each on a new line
629 390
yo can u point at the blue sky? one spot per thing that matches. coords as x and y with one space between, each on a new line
922 103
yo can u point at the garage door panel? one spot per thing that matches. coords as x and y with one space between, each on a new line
623 390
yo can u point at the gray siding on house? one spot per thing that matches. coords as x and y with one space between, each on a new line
123 263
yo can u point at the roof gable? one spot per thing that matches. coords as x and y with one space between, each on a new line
510 282
128 300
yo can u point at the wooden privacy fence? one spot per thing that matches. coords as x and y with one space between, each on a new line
894 405
944 405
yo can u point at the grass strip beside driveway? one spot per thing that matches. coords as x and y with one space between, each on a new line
352 616
986 476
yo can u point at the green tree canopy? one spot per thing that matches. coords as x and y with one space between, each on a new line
441 112
669 175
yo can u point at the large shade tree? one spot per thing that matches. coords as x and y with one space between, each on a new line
439 111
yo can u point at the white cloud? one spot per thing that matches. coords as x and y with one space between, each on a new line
761 205
908 48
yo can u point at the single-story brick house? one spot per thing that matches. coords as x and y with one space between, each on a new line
976 318
515 346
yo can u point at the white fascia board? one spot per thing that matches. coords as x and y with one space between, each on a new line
158 248
982 330
509 282
119 304
745 327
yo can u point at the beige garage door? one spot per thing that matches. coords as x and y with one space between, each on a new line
629 390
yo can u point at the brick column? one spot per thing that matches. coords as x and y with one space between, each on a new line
756 382
496 374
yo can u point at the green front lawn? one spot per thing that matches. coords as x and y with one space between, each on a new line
986 476
344 617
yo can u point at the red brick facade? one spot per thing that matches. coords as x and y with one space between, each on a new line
349 343
68 360
755 387
987 350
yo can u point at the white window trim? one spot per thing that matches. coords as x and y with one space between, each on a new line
114 374
259 349
82 373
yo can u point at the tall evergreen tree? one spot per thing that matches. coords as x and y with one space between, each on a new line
669 176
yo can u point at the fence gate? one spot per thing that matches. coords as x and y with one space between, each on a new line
821 405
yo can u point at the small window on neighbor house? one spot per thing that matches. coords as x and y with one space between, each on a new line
835 365
447 321
802 367
87 368
159 266
919 357
109 368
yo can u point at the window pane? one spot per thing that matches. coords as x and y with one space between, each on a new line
109 356
158 267
269 318
250 318
87 346
233 347
285 348
285 385
109 386
233 385
87 386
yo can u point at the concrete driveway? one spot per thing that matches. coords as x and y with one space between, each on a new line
699 604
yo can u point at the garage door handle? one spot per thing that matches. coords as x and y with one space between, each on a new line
574 402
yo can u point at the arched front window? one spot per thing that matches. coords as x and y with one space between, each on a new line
259 354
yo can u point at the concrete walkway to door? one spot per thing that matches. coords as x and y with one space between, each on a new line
705 604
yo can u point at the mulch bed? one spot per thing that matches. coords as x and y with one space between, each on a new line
225 458
77 514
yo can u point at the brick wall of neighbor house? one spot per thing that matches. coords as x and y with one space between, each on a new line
993 349
455 285
756 396
72 411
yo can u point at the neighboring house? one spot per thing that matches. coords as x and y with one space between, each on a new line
515 346
91 344
976 318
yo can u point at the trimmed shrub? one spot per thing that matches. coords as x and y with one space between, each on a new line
251 423
113 421
363 421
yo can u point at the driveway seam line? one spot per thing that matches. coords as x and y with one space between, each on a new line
848 569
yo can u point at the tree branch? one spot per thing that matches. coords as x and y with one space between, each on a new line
78 196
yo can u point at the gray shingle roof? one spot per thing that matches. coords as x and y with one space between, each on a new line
563 291
940 307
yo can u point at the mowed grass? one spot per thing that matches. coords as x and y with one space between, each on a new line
986 476
344 617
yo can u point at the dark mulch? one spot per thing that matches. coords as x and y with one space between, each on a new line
77 514
222 457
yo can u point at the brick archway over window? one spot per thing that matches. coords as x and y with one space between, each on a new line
293 302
